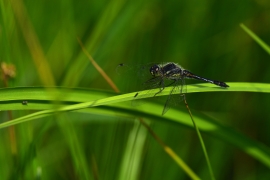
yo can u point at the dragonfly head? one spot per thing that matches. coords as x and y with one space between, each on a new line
155 70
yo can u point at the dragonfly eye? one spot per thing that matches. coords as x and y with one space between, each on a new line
154 70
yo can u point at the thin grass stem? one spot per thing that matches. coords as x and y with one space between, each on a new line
201 140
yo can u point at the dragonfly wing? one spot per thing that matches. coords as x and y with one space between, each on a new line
135 76
176 95
169 98
150 87
183 89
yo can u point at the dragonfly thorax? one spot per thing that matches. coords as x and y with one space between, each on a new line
169 71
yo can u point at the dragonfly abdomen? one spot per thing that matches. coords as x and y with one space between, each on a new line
193 76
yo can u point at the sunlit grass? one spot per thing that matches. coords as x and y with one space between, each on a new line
40 98
72 133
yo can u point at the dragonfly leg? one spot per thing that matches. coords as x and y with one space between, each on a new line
163 86
161 89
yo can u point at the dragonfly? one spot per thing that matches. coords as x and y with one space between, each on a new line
162 73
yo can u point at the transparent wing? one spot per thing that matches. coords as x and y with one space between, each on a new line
151 86
176 95
135 78
183 89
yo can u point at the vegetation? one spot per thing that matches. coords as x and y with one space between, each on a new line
62 116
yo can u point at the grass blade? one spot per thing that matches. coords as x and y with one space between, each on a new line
256 38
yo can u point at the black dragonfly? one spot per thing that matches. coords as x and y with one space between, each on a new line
163 72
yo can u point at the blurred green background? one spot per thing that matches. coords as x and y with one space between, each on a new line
40 39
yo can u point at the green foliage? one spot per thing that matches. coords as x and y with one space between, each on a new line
51 130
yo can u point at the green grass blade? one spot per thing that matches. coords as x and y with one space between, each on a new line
12 97
201 141
256 38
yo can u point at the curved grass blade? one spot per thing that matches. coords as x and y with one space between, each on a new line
11 100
